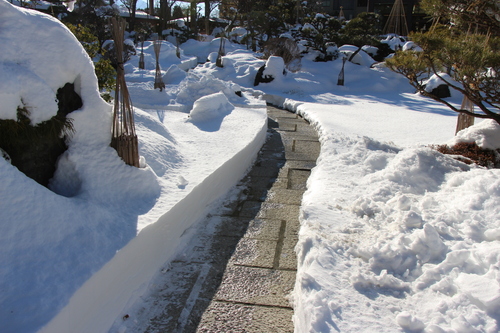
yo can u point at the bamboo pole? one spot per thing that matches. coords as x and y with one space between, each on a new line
396 23
124 138
158 76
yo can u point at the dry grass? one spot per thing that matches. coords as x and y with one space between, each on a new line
470 152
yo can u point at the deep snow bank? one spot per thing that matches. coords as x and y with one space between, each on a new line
394 236
51 243
125 278
397 238
193 169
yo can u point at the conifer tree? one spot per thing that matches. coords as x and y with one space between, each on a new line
464 41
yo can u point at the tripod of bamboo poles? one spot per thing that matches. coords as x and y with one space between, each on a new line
124 139
396 23
158 76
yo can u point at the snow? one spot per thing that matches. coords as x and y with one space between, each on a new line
435 81
52 244
22 63
210 108
411 46
361 58
275 67
394 235
395 42
486 134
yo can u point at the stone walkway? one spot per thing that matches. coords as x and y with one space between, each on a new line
239 279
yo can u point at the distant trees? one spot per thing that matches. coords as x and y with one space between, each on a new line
167 11
364 29
464 42
104 70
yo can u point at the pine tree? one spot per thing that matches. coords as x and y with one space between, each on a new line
464 42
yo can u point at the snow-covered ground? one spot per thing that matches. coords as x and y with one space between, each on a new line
394 236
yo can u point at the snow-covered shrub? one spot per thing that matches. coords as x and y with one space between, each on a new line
274 68
395 42
218 31
34 149
103 68
356 55
320 32
285 48
332 51
110 54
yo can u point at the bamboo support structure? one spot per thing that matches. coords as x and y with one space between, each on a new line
158 76
222 52
396 23
124 139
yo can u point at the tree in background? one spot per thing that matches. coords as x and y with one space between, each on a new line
166 13
319 31
464 42
104 70
132 8
364 29
209 7
177 12
92 15
193 16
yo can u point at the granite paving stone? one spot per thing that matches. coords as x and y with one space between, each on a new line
238 271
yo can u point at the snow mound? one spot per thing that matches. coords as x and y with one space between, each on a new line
485 134
22 88
31 77
52 243
174 75
418 241
361 58
275 67
195 87
211 107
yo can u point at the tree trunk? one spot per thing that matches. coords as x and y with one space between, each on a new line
132 15
207 17
192 11
465 120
